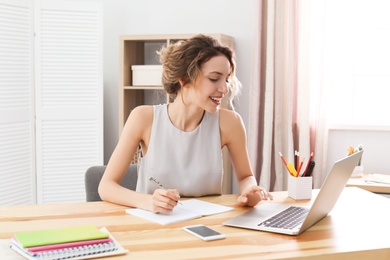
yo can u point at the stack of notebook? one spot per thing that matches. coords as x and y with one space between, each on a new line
378 178
79 242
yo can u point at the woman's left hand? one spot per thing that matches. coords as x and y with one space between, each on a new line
253 195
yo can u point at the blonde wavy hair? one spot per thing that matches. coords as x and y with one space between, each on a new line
183 61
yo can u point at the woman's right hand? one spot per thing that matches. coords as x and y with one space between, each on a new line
163 201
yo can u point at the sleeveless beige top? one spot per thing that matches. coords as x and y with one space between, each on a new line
188 161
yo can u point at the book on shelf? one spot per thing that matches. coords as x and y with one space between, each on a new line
187 210
81 242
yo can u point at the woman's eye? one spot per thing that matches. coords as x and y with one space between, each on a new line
214 80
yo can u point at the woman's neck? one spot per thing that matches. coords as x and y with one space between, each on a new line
185 117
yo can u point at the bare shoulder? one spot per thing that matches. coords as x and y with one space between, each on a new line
141 117
143 112
231 126
228 117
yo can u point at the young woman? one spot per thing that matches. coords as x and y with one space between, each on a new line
181 141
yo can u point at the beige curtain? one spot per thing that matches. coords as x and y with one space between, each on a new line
286 112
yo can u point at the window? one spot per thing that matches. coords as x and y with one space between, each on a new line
357 61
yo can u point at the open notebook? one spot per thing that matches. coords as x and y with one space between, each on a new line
190 209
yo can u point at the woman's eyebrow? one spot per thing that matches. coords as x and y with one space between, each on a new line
216 72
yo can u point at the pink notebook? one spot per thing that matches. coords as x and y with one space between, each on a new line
41 249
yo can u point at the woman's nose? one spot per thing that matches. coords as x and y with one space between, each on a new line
224 88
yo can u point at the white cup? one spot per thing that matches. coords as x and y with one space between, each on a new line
300 188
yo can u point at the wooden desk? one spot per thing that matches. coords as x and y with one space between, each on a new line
373 187
334 237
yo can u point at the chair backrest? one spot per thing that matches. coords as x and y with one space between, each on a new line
94 174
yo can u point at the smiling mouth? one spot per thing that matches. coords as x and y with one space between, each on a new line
216 101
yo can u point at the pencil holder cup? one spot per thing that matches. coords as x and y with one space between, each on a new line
300 188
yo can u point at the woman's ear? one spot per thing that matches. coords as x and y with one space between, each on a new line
184 82
181 82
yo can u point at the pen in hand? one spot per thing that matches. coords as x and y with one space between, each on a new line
160 186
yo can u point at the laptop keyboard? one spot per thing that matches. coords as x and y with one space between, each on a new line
287 219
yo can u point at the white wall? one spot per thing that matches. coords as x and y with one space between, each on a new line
376 144
121 17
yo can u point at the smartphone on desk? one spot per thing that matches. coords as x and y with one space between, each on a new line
203 232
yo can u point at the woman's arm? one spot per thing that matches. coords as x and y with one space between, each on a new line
136 130
233 135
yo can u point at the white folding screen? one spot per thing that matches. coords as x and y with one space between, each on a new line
17 174
55 87
69 97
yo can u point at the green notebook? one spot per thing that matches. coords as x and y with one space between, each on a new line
61 235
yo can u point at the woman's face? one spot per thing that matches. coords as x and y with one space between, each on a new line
212 83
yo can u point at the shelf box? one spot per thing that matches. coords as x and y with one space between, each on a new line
146 75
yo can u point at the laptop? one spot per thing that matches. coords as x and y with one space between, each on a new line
271 217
